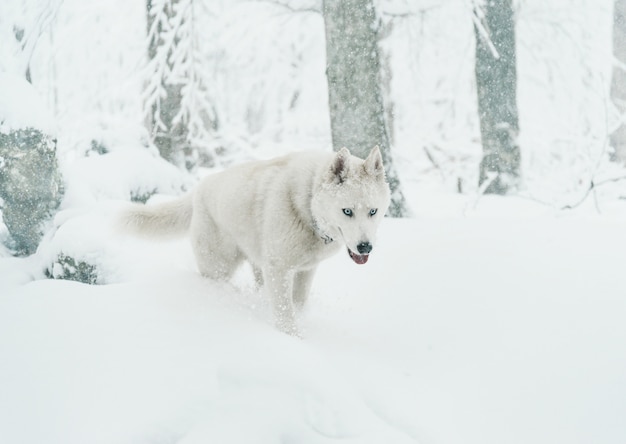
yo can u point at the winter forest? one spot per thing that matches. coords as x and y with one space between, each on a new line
492 309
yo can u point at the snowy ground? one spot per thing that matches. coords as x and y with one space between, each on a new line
489 322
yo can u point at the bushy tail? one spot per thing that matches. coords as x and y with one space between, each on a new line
160 220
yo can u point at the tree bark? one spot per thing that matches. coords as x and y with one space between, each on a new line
618 81
357 113
496 84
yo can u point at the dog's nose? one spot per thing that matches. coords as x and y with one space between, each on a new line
364 247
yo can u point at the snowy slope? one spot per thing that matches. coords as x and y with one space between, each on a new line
466 326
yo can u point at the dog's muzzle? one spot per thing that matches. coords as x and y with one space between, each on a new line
364 249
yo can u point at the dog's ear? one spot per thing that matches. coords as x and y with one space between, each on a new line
339 166
373 165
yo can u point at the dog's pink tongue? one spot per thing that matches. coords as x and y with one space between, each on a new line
358 258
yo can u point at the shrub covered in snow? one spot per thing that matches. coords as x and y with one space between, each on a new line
30 186
68 268
30 183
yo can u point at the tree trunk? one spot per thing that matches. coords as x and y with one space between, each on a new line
618 82
496 83
357 113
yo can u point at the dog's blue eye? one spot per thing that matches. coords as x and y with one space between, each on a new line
347 212
373 211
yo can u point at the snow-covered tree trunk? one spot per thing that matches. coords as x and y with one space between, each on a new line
180 115
496 84
30 186
357 113
168 137
618 82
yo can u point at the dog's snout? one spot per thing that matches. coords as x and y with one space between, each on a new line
364 247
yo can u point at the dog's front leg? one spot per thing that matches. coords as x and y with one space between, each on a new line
279 285
302 287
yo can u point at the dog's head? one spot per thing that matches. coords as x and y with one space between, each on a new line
351 201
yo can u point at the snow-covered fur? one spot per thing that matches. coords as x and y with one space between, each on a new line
283 215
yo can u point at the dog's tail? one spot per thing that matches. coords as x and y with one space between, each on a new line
167 219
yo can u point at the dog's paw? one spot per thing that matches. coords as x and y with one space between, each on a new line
289 327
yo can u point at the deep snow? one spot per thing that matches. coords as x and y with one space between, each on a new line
488 321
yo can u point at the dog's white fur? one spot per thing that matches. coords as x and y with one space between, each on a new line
283 215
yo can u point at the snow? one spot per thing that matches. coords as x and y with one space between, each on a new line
135 171
21 106
489 321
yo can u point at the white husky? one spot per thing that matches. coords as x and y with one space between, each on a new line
283 215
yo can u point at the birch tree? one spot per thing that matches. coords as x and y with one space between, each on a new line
496 84
357 113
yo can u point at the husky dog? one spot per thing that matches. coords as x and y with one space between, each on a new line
283 215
